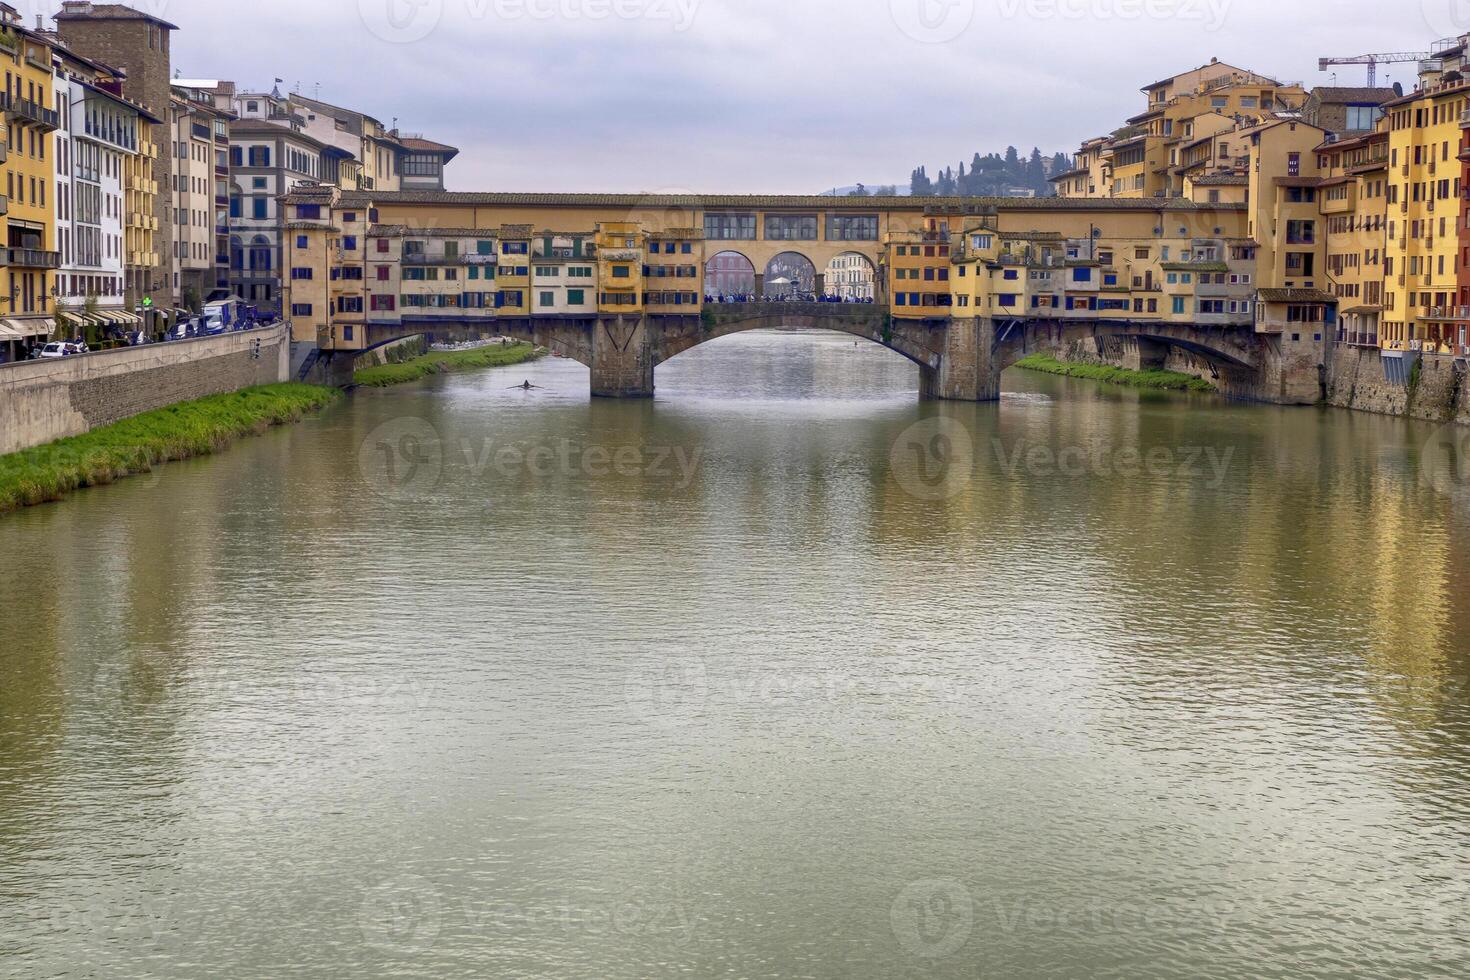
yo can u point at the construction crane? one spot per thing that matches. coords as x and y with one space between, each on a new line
1374 60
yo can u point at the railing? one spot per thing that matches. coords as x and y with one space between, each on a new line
47 119
1357 338
423 258
30 258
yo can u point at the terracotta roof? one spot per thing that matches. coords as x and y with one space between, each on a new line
1195 267
420 145
1296 296
1221 180
111 11
263 128
1297 181
706 201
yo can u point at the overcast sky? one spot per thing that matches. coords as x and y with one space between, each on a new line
789 96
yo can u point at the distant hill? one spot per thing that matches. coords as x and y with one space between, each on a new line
993 175
866 190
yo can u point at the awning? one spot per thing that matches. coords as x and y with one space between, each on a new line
34 327
9 333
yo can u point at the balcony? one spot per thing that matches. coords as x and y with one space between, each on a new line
38 115
30 258
423 258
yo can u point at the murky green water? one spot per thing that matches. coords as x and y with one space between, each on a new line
784 674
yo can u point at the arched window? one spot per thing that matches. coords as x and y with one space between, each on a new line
260 254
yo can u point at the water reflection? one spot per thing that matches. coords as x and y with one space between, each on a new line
1156 686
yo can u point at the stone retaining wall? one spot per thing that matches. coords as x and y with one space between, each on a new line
1355 379
41 401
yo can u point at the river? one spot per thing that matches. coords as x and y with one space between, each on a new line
783 674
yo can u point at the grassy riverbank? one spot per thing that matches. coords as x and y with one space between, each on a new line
443 362
1160 380
136 445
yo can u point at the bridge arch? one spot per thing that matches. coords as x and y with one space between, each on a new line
729 273
863 322
1232 357
851 277
790 275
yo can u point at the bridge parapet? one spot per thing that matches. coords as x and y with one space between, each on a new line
852 312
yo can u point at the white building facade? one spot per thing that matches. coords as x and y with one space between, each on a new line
98 130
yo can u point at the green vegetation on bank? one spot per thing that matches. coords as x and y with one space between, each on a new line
442 362
136 445
1164 380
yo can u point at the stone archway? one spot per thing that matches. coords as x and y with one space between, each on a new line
789 275
729 274
851 277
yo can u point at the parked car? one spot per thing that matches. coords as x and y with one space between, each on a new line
61 349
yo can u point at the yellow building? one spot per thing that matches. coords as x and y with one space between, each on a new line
1424 186
31 255
620 268
1353 198
1179 134
142 252
674 271
311 267
918 266
513 271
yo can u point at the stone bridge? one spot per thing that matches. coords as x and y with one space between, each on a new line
959 358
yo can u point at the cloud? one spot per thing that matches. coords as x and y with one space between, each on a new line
758 95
